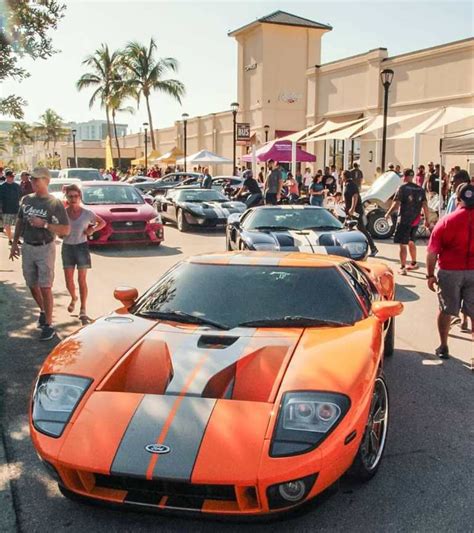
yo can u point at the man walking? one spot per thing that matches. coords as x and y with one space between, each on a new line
10 194
409 200
25 184
357 175
452 247
273 184
206 180
355 209
41 217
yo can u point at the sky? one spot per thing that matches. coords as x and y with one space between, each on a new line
195 33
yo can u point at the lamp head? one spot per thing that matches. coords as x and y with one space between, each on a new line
234 106
185 116
386 77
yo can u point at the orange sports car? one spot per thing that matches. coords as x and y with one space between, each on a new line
242 383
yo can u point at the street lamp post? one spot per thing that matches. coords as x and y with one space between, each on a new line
185 131
235 107
74 146
266 128
386 77
145 124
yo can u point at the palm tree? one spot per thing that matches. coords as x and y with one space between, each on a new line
102 77
3 145
19 135
51 128
122 90
146 74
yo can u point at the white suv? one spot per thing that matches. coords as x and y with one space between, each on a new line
84 174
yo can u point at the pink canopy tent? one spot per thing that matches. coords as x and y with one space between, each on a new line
280 151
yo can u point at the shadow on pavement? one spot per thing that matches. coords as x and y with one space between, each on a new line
404 294
136 251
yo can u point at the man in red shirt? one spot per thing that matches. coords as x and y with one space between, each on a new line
452 246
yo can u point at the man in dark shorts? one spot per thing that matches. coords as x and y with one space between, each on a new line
452 247
355 209
250 185
409 200
41 217
10 194
273 183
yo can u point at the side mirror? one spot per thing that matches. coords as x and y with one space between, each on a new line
234 220
351 224
387 309
126 295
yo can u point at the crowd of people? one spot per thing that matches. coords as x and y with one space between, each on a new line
38 218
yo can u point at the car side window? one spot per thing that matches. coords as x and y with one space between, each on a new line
359 282
245 216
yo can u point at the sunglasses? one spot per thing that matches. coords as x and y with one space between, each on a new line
73 196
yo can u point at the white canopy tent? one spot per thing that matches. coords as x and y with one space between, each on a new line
204 157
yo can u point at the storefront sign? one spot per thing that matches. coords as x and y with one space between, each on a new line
243 131
252 66
289 97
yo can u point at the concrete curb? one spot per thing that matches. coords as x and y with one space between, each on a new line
7 510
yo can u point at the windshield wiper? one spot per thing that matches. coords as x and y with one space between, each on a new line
181 316
323 228
273 228
302 321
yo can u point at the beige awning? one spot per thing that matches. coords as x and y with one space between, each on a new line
345 133
296 137
378 122
444 116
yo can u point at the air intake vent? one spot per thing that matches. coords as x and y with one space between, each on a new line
216 342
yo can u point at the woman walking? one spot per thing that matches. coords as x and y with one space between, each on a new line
316 191
75 250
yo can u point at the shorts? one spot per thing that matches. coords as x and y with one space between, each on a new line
271 198
38 264
76 255
405 233
456 291
9 219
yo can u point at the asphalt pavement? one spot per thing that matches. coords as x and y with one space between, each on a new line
425 483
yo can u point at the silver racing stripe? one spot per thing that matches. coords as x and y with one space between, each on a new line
308 242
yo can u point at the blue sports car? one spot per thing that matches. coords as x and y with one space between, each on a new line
301 228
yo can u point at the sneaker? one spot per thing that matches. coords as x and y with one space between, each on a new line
374 252
442 352
403 271
465 328
41 320
47 333
413 266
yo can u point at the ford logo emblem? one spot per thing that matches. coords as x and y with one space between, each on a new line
157 448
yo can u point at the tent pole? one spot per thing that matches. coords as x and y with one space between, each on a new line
293 158
440 181
416 151
346 155
254 161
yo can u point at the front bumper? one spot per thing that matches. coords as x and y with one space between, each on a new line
139 233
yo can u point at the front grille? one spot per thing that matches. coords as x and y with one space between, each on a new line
178 493
129 225
128 237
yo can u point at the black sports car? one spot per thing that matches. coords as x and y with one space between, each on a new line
197 207
170 181
301 228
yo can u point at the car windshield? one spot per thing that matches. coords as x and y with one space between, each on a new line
57 186
111 194
233 295
295 219
203 195
84 174
54 174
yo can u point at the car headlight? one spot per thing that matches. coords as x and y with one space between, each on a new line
54 399
156 220
263 246
305 420
356 248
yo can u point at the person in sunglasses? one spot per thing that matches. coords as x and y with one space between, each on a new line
75 250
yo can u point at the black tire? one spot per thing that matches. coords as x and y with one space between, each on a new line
370 453
242 246
378 226
389 346
228 247
181 221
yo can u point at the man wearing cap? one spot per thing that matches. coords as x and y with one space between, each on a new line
452 247
40 218
10 194
25 183
409 200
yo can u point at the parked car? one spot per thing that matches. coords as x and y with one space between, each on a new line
196 207
84 174
294 228
54 174
56 186
170 181
129 218
236 385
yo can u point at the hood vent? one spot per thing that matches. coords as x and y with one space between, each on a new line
215 342
123 210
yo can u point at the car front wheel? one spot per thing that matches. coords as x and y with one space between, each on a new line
378 226
370 452
181 221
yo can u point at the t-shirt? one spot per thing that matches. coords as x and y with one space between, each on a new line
49 209
307 179
316 199
330 183
357 176
79 225
434 182
411 197
452 240
351 190
207 182
292 187
10 194
252 186
273 181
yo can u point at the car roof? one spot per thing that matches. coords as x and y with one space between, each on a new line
298 207
250 258
197 174
105 183
80 168
65 180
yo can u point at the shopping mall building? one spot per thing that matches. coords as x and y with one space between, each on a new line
283 85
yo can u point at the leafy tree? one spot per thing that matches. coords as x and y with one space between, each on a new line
121 92
146 73
102 76
24 27
51 128
20 135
